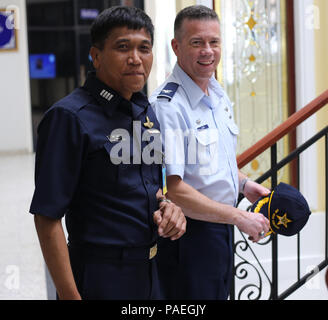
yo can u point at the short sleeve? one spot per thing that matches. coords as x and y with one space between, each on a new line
174 136
61 149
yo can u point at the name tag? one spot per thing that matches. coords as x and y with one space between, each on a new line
202 127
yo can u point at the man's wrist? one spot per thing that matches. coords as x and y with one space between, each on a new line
164 200
242 184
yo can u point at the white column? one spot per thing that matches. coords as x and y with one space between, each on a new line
15 105
163 15
305 93
207 3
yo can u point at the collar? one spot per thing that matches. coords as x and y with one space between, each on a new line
111 100
194 93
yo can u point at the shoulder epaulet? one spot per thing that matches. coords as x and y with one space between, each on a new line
169 90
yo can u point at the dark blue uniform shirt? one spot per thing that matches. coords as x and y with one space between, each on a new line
103 203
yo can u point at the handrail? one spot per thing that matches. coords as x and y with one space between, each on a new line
289 125
254 291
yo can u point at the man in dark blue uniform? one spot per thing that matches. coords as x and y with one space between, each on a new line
92 166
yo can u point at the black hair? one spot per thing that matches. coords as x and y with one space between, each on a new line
197 12
119 16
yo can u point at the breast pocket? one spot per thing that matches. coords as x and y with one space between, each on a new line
99 173
121 156
207 151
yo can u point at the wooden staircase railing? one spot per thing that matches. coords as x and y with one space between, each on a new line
289 125
270 141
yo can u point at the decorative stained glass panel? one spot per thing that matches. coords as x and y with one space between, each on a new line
253 72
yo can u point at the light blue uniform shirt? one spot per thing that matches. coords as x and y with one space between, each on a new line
199 136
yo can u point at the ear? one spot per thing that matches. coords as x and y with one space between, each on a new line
175 46
94 53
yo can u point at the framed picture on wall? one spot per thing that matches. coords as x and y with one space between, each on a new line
8 31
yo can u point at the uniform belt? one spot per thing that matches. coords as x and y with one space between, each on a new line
124 253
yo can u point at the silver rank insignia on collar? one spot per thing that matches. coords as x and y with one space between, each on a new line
148 124
106 95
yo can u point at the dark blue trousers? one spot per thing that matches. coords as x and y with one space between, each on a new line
198 266
121 276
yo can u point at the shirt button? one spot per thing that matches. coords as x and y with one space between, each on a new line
226 109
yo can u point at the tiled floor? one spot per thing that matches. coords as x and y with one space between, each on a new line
22 269
22 272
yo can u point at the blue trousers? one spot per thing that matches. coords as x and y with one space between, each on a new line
198 266
107 276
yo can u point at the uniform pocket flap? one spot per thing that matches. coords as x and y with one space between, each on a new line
233 128
208 136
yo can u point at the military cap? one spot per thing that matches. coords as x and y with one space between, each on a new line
286 209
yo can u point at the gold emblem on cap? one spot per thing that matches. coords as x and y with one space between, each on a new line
283 220
148 124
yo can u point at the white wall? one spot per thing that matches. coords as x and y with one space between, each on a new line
162 14
305 93
15 105
207 3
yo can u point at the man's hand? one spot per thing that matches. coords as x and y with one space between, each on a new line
253 224
253 191
170 220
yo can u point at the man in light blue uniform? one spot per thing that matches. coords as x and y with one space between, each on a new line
202 174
